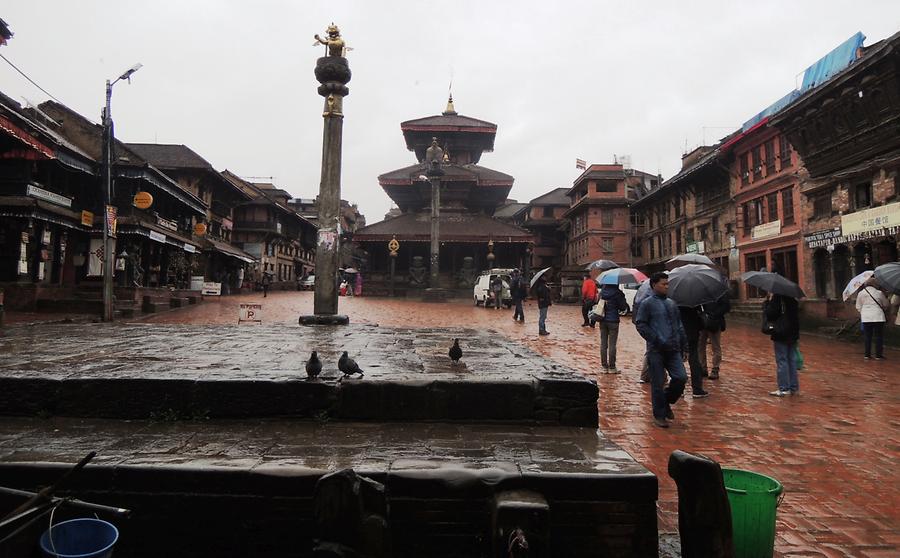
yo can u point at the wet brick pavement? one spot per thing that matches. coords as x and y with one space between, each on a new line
835 447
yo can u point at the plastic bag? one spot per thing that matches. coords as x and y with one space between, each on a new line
798 357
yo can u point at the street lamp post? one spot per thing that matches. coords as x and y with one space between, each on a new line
108 256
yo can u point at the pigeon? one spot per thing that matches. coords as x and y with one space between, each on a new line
348 366
313 366
455 352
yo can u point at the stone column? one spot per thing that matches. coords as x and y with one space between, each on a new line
333 72
435 230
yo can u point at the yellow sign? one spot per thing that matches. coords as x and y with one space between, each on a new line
870 220
200 229
87 218
393 245
143 200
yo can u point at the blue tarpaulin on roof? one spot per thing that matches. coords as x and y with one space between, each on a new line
833 62
771 109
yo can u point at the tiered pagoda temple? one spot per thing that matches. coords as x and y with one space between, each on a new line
472 240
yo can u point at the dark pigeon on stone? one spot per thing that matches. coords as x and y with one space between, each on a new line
313 366
455 352
348 366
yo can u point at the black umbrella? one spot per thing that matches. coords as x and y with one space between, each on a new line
773 283
685 259
694 284
889 276
602 265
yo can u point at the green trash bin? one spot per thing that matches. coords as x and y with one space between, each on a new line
754 499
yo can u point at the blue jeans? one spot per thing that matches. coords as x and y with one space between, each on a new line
542 318
658 363
520 312
787 366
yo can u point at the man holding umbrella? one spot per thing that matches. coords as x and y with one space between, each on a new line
539 284
659 323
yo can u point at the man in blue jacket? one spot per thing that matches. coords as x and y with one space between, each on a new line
659 323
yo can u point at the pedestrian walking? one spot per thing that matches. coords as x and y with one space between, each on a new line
690 320
659 323
357 285
713 320
782 315
517 291
266 281
589 298
872 306
543 299
613 304
497 291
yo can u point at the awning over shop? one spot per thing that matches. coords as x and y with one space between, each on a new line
7 126
229 250
28 207
163 237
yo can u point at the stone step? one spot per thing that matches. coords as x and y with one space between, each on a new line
445 488
408 375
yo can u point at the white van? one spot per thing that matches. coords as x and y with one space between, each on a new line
482 290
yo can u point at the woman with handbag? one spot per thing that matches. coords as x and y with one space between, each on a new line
781 315
872 306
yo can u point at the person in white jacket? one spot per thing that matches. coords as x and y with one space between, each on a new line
873 311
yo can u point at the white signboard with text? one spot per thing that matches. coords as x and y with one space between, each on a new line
212 289
250 313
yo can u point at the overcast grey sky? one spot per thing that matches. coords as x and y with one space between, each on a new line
234 80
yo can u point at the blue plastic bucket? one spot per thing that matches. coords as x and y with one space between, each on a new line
80 538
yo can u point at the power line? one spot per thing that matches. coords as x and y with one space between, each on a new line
24 75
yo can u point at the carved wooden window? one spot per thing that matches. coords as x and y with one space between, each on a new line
862 195
548 211
772 203
606 217
770 157
822 206
757 164
787 206
784 148
745 170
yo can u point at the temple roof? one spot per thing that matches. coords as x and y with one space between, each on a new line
449 122
454 227
470 185
475 173
556 196
464 138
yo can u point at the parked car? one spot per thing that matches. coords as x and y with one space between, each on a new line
307 284
482 290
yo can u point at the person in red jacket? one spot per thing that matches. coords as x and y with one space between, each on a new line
589 298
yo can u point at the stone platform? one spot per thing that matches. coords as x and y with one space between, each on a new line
170 372
244 488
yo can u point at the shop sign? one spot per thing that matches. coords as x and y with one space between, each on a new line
871 220
87 218
196 282
111 220
45 236
212 289
766 230
698 247
200 229
189 248
23 267
46 195
159 237
822 238
167 224
143 200
250 313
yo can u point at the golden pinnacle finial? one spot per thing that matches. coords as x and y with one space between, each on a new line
450 110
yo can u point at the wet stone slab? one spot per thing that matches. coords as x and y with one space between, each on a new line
173 371
253 481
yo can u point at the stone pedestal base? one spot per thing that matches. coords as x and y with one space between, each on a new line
325 319
435 295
